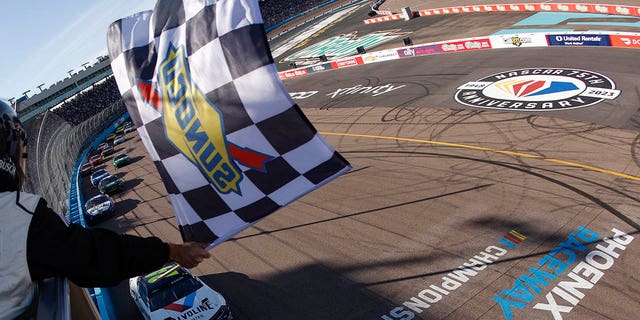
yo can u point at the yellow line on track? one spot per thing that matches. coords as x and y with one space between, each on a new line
512 153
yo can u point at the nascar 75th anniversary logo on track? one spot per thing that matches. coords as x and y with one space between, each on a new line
538 89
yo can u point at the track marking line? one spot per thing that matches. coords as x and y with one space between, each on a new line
506 152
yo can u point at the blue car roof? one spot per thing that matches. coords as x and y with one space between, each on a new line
100 173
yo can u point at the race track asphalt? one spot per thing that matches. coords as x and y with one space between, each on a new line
450 211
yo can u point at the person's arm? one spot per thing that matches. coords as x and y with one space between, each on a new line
97 257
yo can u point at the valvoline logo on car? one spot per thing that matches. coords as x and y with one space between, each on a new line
190 311
185 108
538 89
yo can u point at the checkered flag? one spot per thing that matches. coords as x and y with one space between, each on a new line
231 146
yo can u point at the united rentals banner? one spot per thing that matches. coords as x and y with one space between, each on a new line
229 142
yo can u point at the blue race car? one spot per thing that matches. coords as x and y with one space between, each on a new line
97 176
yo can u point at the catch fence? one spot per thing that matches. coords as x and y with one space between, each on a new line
53 149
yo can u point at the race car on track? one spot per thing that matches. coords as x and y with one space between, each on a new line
120 139
121 160
110 184
173 292
111 137
87 169
106 151
98 209
98 175
102 146
96 159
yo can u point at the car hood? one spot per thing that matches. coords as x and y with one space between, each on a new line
202 304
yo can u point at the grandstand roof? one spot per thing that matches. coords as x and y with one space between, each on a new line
80 78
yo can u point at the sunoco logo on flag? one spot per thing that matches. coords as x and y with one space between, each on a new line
185 108
230 144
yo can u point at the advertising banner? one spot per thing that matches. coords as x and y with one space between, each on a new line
419 50
579 40
293 73
625 41
348 62
378 56
466 45
319 67
519 40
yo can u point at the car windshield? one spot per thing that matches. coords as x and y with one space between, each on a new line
120 156
99 172
173 291
86 166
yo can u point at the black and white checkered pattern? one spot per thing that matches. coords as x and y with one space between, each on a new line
230 61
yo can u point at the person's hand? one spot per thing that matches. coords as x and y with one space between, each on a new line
188 254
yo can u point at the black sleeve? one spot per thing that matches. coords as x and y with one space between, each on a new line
88 257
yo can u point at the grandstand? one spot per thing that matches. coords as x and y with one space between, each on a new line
63 89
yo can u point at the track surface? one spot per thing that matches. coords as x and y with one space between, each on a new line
435 185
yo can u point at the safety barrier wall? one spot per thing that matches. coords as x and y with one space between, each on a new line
101 297
543 39
624 10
